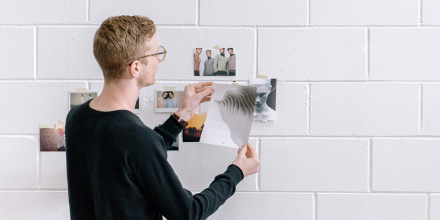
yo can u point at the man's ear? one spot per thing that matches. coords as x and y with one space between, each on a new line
133 69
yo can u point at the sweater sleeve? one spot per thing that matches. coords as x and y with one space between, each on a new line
169 131
162 187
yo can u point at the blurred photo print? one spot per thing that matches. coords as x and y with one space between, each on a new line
214 61
167 100
193 131
230 115
52 137
265 102
78 98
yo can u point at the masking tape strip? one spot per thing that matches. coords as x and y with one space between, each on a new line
163 122
81 90
203 114
235 84
169 88
61 123
262 77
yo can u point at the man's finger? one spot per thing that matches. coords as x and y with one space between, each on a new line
252 151
201 84
206 92
206 99
243 151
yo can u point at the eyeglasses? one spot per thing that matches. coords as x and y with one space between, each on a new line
160 55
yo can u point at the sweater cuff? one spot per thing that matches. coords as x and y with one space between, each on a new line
170 127
235 172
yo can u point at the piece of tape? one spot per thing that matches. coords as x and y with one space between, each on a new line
262 77
203 114
82 90
235 84
169 88
61 123
163 122
216 47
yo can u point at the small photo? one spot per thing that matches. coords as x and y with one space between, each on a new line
193 131
52 137
214 61
167 101
175 145
265 102
78 98
136 107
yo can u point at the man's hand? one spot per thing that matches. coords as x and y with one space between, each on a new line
247 160
193 95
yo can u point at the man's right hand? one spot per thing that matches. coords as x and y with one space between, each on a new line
247 160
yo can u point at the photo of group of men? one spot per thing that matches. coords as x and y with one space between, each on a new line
214 62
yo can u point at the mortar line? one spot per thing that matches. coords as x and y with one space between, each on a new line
434 26
370 165
237 80
309 107
256 52
198 12
315 205
368 53
309 6
420 12
38 166
420 122
35 53
428 207
88 11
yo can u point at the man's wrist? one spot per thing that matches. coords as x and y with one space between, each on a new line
183 115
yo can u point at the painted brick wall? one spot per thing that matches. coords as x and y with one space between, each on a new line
358 134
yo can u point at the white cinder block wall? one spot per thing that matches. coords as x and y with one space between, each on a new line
358 133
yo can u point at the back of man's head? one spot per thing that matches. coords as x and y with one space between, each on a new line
121 40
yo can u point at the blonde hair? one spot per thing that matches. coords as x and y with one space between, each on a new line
121 40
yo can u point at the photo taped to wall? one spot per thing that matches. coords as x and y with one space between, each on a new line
265 102
167 100
52 137
214 61
78 98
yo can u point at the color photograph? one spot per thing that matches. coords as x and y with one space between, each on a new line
52 137
193 131
167 101
214 61
78 98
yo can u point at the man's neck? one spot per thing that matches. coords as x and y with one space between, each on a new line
117 95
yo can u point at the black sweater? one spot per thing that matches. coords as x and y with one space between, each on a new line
117 168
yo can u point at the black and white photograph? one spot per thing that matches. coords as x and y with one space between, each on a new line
167 100
215 61
230 115
52 137
265 102
78 98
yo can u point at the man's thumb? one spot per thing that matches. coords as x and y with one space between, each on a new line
243 150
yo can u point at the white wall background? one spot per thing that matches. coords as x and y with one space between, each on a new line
358 135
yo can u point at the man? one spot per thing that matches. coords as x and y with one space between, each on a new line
116 166
231 61
261 110
197 61
209 65
221 64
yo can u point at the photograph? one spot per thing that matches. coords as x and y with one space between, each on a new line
52 137
230 115
175 145
193 130
136 107
214 61
265 102
78 98
167 101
